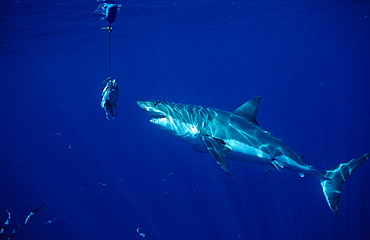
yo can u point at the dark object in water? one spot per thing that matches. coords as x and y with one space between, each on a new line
111 12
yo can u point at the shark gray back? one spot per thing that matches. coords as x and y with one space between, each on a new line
237 136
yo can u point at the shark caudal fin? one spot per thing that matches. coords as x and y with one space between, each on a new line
335 178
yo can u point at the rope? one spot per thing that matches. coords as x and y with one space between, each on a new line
109 47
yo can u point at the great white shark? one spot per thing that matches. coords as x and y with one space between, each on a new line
237 136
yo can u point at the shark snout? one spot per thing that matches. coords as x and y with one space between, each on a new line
142 103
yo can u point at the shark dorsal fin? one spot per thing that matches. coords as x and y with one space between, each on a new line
249 110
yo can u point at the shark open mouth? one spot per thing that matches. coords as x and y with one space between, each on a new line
158 118
156 114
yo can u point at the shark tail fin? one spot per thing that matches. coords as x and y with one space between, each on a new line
335 177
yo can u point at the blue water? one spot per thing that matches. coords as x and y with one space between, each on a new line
309 60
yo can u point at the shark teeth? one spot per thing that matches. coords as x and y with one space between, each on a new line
157 120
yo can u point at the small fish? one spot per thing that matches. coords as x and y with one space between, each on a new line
13 232
50 221
103 184
140 232
6 224
33 213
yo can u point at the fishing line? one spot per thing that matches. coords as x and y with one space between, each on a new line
109 47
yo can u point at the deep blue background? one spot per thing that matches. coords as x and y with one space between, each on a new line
310 62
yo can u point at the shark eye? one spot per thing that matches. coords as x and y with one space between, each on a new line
155 103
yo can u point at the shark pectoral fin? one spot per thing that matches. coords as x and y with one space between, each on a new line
218 150
277 165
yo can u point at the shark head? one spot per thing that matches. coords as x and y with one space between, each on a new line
175 119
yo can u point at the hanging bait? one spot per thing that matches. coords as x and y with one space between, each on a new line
110 98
